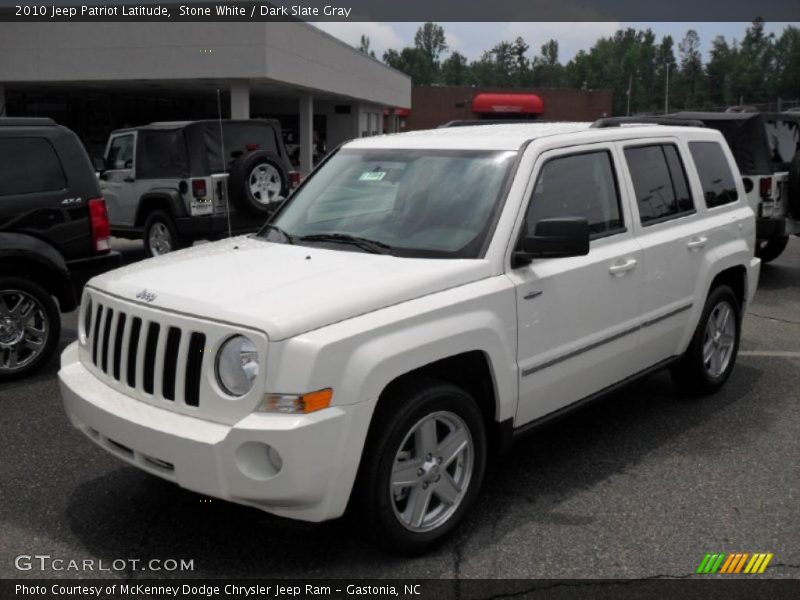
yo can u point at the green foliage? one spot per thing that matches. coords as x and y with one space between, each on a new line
632 63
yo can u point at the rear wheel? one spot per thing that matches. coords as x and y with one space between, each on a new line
30 326
423 466
769 250
711 355
160 234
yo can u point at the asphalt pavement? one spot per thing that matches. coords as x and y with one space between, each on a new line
641 484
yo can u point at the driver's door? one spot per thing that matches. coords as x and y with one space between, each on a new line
578 317
118 181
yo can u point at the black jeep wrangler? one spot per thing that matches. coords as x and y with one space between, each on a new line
54 236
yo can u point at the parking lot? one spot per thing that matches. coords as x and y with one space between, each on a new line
641 484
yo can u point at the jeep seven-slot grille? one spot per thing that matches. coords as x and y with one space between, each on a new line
160 360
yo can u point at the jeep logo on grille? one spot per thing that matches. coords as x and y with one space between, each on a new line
146 296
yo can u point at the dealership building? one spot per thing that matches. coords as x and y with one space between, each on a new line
96 77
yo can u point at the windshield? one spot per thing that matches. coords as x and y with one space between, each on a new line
419 203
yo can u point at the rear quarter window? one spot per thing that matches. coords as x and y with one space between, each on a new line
716 178
29 165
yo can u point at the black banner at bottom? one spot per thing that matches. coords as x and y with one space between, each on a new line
712 588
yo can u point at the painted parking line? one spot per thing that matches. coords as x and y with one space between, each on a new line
770 353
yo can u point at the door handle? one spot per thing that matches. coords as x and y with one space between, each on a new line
129 179
619 269
697 243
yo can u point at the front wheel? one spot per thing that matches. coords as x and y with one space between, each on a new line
423 466
769 250
30 326
709 360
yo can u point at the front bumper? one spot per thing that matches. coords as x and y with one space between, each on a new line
317 452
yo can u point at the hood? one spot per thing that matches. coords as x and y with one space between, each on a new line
283 289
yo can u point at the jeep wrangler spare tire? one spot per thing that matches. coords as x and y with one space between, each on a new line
257 182
794 186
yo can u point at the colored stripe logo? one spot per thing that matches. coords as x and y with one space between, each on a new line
732 563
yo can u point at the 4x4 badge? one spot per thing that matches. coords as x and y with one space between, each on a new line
146 296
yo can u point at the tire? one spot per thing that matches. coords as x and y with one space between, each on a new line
256 182
399 425
30 326
695 374
160 234
769 250
794 187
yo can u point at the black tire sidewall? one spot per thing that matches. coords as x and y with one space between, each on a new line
239 186
382 446
794 186
159 216
53 317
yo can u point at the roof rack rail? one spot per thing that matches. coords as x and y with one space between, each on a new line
26 122
617 121
473 122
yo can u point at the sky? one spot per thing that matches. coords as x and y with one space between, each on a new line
471 39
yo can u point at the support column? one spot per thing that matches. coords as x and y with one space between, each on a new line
3 109
305 108
391 122
240 100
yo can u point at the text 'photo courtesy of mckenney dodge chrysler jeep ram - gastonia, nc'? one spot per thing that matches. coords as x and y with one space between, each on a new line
419 302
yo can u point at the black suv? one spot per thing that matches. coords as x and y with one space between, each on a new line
176 182
54 235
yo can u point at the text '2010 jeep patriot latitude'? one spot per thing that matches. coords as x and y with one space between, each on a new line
419 301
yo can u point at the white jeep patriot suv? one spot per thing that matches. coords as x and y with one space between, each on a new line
419 301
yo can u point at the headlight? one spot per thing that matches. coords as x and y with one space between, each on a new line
237 365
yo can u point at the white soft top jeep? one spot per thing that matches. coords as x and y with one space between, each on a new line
419 301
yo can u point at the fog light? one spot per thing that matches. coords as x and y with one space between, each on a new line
258 460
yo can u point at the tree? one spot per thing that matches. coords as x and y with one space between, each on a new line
431 40
455 70
363 46
547 70
690 82
719 72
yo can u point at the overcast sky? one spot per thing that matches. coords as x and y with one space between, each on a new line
471 39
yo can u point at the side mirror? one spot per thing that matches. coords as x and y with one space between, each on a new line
99 164
556 238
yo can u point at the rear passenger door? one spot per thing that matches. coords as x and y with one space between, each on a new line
670 226
578 316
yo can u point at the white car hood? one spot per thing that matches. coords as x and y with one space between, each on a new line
283 289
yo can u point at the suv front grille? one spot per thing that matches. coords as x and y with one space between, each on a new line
160 360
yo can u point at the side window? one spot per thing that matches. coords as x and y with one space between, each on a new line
715 174
659 181
29 166
579 185
120 154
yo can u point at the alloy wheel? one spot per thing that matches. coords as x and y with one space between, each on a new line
24 330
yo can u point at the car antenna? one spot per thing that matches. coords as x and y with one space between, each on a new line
224 163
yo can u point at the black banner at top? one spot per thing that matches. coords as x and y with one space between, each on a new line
404 10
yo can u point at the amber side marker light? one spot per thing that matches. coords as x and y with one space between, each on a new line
297 403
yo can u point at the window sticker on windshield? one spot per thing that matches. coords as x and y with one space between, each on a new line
372 176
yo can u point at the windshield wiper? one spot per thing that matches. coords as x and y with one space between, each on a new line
289 239
369 245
